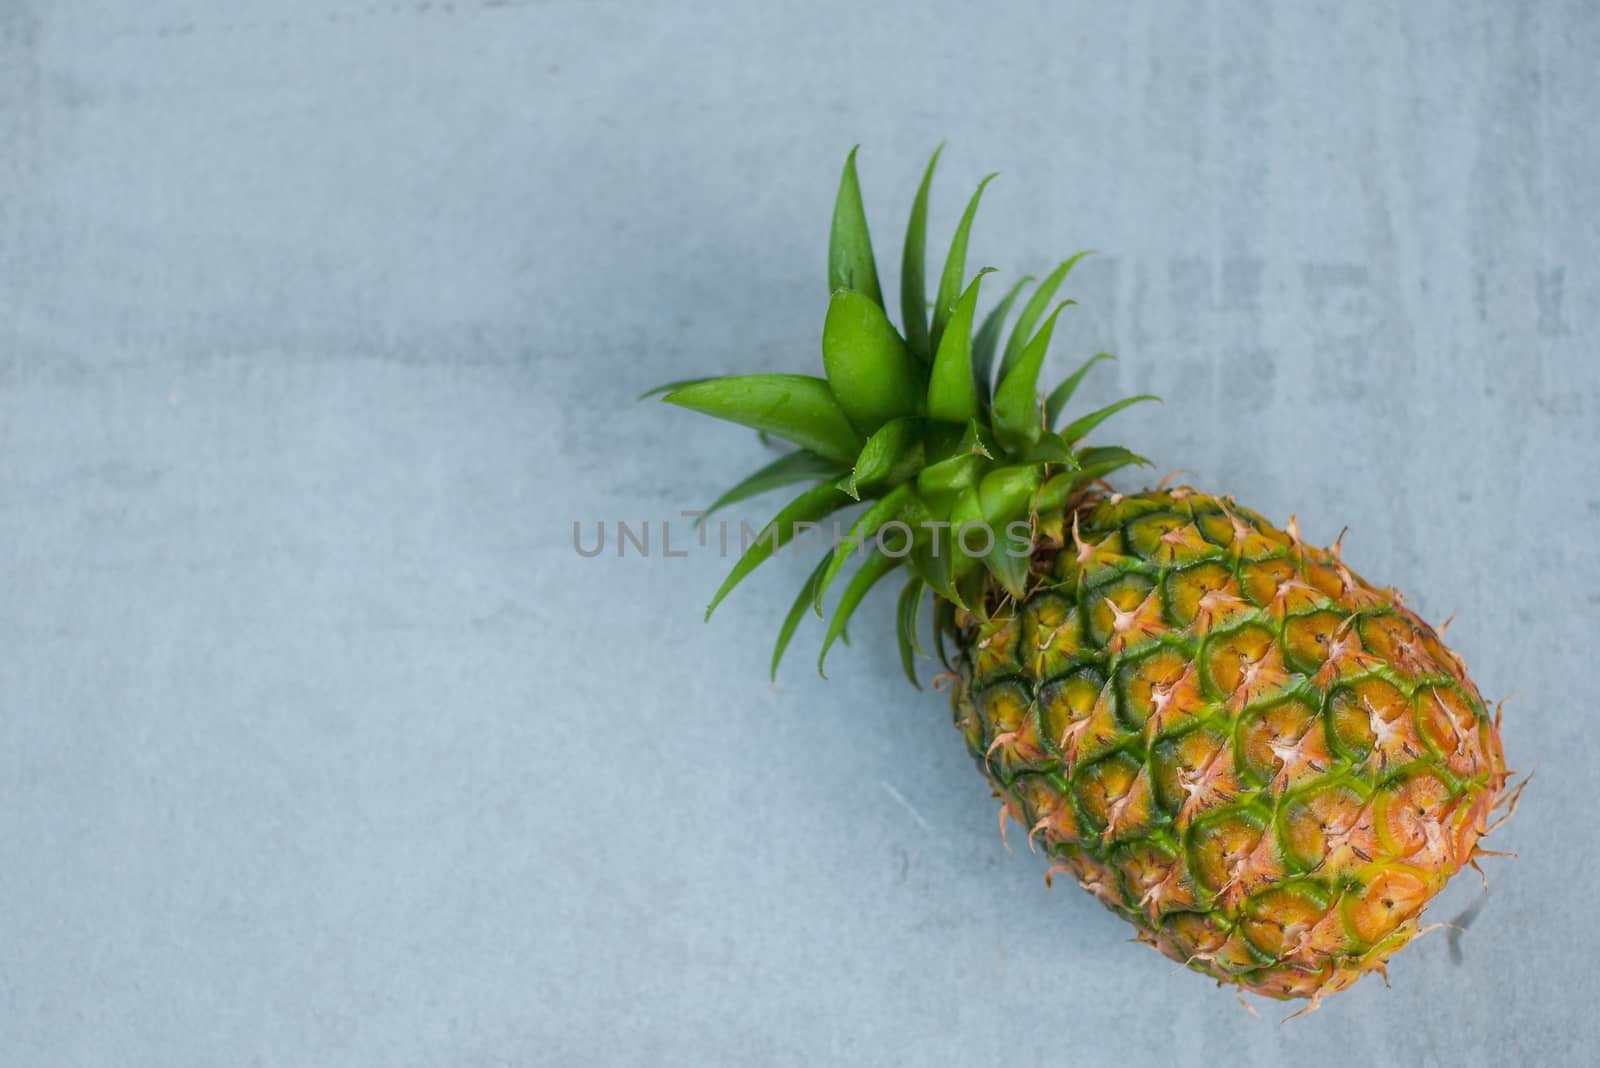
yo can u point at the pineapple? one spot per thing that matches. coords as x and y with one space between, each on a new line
1262 761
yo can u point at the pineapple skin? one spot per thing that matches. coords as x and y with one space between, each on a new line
1263 762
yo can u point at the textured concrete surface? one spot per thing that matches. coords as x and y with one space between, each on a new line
320 324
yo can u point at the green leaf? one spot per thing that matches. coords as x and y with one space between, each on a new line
1095 463
909 609
1005 496
955 268
876 566
1016 400
1008 561
670 386
869 369
935 568
1033 310
882 456
974 587
1076 430
988 339
944 622
1049 449
798 408
809 507
1095 455
850 262
1057 491
914 268
950 476
1100 461
797 612
1057 401
802 465
1005 492
901 503
952 396
967 511
936 572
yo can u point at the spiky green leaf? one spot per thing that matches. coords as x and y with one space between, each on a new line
809 507
952 396
959 472
909 608
897 505
1076 430
884 456
1004 493
670 386
914 269
1093 463
1056 403
1050 449
965 546
1015 413
802 465
955 268
1031 311
944 622
1008 560
798 408
1102 460
987 341
874 568
870 370
850 261
797 612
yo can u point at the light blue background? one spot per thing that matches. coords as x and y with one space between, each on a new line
321 322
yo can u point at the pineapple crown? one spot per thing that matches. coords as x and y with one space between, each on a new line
936 430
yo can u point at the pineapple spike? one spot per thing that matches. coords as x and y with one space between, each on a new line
1005 813
1483 875
1316 1003
1479 851
1336 550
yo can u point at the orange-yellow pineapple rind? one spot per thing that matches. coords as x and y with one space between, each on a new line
1265 763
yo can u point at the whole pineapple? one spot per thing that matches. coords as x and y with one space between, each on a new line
1262 761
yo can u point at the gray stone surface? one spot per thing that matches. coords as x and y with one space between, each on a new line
320 324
